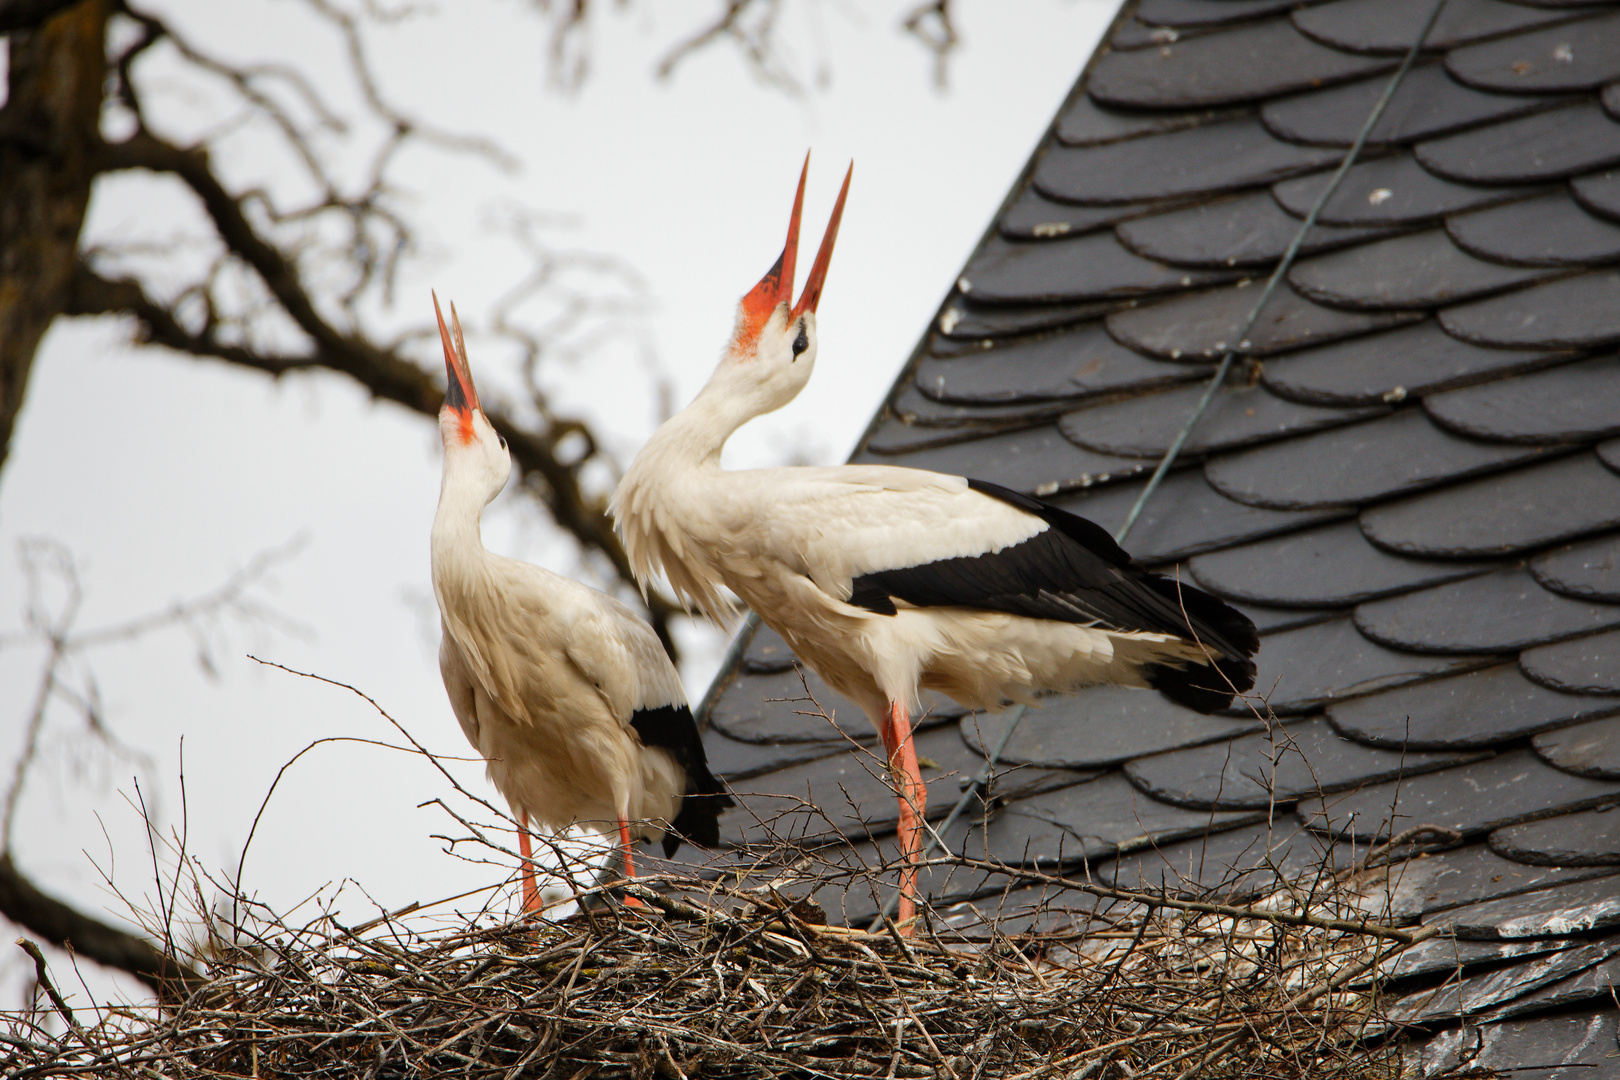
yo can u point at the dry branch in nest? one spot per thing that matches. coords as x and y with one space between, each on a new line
722 981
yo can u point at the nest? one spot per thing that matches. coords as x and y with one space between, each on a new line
704 980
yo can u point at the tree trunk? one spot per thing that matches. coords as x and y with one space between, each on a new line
49 137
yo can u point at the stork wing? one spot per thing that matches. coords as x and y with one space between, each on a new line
875 536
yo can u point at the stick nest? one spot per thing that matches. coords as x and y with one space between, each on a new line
720 983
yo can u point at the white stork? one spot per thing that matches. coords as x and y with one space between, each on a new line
886 580
565 691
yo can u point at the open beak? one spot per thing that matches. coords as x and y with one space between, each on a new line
459 393
776 287
811 296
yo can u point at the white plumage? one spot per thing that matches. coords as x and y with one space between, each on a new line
565 691
890 580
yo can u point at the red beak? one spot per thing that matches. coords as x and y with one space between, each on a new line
811 296
459 393
776 287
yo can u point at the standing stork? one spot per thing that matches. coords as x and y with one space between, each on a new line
888 580
565 691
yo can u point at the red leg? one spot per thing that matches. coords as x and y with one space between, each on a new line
531 894
629 861
897 740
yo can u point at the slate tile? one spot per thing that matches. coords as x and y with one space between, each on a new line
1246 230
1591 750
1473 799
1272 620
1539 504
1575 55
1086 123
1303 669
1587 838
1548 145
1483 708
1423 269
853 881
1145 426
893 435
731 759
1038 461
1359 463
1595 984
1599 192
965 321
1236 864
1588 665
1133 34
1097 728
782 708
1091 267
1185 517
1388 26
1189 13
1220 156
1084 362
847 794
1032 216
1582 311
1500 612
1447 954
1589 569
1205 324
1393 190
766 653
1551 229
1571 403
1577 1047
1328 566
1392 366
1487 990
1475 874
1427 103
1278 766
1564 909
1249 63
1092 820
912 406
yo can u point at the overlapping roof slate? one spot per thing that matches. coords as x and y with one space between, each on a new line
1412 484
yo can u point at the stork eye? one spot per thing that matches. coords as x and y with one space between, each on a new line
800 343
503 441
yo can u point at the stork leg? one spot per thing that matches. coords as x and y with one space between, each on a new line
629 862
902 749
531 894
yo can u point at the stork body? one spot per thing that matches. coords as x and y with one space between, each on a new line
565 691
887 580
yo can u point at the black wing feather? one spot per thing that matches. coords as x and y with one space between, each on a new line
1074 572
672 728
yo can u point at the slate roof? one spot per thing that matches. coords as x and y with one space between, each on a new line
1412 486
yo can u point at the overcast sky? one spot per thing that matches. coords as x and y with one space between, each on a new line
163 475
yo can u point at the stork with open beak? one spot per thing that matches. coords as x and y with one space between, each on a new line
889 580
566 692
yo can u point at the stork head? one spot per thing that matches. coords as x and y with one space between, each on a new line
473 453
773 347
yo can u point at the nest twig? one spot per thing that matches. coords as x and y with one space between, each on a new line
722 981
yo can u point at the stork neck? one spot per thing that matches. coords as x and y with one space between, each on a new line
457 523
696 435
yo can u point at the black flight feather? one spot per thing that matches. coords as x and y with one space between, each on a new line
1074 572
671 728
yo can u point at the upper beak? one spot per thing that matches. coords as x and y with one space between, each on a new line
811 296
459 392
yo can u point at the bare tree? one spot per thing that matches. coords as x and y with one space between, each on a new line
276 282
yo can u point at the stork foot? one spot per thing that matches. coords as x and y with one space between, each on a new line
913 796
531 892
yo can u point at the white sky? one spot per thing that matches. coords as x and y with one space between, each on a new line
164 475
